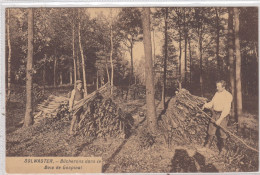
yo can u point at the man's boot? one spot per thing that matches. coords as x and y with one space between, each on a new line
209 141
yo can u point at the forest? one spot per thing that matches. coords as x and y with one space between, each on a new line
137 65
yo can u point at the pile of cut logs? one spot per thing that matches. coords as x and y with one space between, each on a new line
104 118
182 121
101 116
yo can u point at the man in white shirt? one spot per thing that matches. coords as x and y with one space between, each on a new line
221 105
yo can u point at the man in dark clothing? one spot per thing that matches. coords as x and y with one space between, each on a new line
76 95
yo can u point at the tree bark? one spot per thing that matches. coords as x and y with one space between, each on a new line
185 47
75 71
111 57
71 75
54 70
150 101
165 57
154 55
78 63
73 51
190 64
28 119
82 60
132 60
108 76
9 55
238 65
198 13
180 73
231 57
201 68
217 43
97 80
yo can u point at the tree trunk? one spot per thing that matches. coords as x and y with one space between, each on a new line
83 61
54 71
75 71
165 57
217 42
97 80
78 64
28 119
73 51
71 75
231 57
61 78
150 101
185 46
180 55
132 60
201 68
154 55
190 64
9 55
111 58
238 65
108 76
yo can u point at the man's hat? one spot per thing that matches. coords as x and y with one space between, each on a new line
78 82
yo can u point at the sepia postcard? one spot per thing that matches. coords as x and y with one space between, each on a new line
160 89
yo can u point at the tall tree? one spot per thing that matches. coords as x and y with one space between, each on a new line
165 57
111 52
231 56
217 42
150 101
28 119
73 49
82 56
190 64
178 12
199 29
78 62
9 55
238 65
185 28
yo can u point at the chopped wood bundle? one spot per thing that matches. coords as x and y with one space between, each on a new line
181 120
52 105
58 105
104 118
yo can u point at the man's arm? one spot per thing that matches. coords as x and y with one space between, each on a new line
71 101
209 104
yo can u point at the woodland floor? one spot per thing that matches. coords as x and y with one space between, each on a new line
50 138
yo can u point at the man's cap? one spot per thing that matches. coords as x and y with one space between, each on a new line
78 81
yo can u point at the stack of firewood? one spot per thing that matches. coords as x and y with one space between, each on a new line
52 104
57 106
104 118
101 117
182 120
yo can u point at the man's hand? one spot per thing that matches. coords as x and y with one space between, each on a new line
203 107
